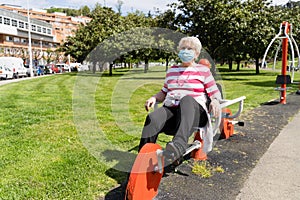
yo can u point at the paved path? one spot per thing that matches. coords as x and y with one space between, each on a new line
277 174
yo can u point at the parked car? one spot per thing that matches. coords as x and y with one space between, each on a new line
55 69
67 68
48 69
63 67
14 64
40 70
6 73
75 66
34 70
83 68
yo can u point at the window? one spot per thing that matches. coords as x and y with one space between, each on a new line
49 31
33 27
23 41
0 19
14 23
35 42
26 25
9 38
46 43
21 24
6 21
39 29
16 39
44 30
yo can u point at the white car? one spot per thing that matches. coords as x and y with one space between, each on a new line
34 71
63 67
14 64
83 68
6 73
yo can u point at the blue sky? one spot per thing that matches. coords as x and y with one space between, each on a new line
128 5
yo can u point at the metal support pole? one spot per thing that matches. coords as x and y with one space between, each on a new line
285 41
42 53
29 41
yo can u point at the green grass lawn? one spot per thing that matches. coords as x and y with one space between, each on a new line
65 136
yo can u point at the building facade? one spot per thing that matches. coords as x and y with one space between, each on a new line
48 31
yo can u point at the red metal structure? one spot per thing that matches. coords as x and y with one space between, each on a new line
287 70
285 42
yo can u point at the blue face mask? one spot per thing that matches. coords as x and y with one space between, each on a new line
186 55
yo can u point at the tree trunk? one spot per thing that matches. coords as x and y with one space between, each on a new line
257 65
230 64
146 65
238 65
101 66
110 68
167 63
94 67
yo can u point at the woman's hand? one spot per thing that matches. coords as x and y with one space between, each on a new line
214 108
150 103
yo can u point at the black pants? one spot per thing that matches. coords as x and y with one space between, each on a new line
178 121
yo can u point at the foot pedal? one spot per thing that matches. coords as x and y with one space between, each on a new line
199 154
146 173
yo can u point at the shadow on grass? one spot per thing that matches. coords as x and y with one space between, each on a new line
116 73
120 172
249 78
91 74
145 78
262 84
246 76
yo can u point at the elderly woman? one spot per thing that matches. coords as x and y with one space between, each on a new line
185 93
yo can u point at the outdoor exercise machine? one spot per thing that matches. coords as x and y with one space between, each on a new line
148 168
286 37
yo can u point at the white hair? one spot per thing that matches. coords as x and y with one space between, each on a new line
193 41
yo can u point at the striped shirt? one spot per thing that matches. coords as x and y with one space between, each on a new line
195 81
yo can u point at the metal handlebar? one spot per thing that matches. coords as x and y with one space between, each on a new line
225 103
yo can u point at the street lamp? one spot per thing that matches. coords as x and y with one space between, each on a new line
41 43
69 61
29 41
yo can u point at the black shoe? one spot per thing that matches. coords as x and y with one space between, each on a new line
173 153
169 158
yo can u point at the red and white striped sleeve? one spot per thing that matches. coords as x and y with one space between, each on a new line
211 86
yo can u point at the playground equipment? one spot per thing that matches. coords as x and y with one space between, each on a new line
148 168
286 36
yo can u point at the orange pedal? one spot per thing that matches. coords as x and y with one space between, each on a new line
145 177
199 154
228 127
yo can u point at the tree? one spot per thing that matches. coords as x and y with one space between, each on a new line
230 30
68 11
137 43
85 11
119 6
105 22
260 30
